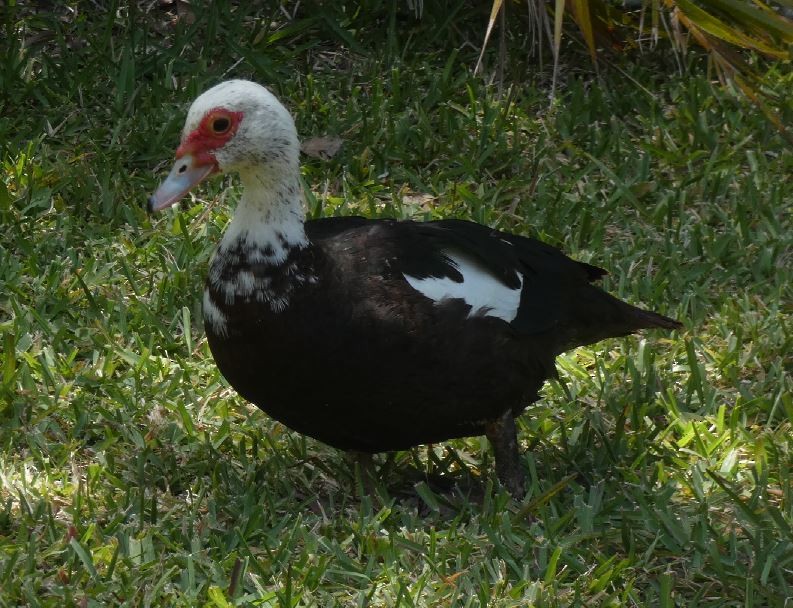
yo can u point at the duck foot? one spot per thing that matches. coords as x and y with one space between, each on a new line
503 436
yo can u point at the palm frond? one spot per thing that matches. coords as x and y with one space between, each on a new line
726 29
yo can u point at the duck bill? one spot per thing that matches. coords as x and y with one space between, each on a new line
186 173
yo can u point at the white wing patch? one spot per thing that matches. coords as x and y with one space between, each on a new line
484 293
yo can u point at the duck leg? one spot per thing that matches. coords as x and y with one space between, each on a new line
366 471
503 437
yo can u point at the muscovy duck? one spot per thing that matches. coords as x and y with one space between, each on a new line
377 335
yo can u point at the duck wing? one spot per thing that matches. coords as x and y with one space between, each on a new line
529 284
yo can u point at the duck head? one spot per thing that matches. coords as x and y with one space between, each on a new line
236 126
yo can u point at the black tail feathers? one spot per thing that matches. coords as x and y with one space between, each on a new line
648 319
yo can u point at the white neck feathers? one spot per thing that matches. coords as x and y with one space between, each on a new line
269 218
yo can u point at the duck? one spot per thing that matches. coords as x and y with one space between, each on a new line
377 335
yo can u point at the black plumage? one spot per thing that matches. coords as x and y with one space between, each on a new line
362 361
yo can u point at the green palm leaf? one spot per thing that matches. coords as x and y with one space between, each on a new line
726 29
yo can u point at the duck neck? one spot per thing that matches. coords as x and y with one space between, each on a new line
269 220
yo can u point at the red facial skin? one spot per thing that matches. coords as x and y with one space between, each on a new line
204 139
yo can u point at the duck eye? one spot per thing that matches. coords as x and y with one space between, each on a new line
221 124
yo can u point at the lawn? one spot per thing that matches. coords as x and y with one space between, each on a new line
659 465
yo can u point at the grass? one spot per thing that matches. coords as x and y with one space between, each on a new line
659 466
